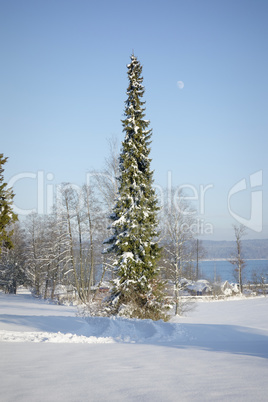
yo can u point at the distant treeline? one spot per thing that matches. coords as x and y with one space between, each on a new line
252 249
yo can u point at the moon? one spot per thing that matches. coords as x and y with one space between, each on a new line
180 84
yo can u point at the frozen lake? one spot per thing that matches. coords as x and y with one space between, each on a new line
225 270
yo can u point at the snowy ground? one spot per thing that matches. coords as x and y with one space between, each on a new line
218 352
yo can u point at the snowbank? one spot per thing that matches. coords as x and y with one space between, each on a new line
24 319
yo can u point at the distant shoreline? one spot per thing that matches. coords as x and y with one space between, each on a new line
224 250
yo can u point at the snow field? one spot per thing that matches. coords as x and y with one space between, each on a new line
218 352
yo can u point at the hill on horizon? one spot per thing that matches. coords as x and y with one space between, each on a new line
252 249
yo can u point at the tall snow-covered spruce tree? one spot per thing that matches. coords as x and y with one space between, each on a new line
137 290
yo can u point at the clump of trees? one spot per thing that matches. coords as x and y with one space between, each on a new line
148 246
62 248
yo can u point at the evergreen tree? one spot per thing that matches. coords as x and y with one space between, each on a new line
134 217
7 216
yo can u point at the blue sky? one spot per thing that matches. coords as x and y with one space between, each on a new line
63 80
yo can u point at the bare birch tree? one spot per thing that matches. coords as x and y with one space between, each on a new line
83 219
34 251
237 260
56 254
107 178
178 219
